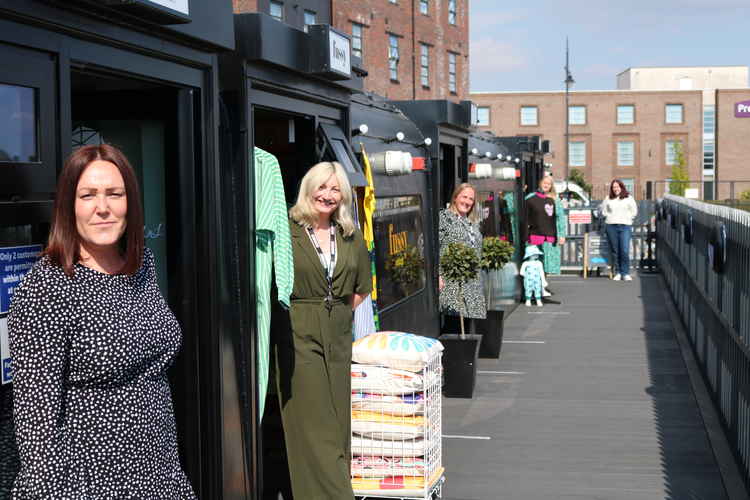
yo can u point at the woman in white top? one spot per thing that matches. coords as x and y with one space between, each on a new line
619 210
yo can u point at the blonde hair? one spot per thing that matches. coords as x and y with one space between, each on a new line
473 214
552 191
303 212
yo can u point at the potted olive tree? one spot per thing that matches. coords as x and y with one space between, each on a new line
406 269
496 253
460 263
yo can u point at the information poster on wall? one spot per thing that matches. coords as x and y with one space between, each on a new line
15 262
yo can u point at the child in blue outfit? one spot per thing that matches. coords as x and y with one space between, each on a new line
532 270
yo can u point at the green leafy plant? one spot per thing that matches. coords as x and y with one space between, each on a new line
680 178
459 263
495 253
406 267
579 178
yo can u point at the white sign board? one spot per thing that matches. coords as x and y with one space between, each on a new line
6 372
178 5
340 53
693 193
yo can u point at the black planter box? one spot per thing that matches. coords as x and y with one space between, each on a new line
460 364
492 334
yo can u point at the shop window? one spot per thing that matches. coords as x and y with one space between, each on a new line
357 46
424 7
452 72
529 115
399 248
276 10
424 64
335 147
452 11
625 114
393 57
310 19
483 116
626 153
709 119
577 115
18 124
708 154
577 154
673 113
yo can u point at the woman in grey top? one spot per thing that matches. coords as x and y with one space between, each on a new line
459 223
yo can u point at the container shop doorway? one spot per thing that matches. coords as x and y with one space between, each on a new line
450 174
152 123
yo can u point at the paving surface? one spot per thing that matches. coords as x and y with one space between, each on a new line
599 406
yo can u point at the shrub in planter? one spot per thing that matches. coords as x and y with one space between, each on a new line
459 263
405 268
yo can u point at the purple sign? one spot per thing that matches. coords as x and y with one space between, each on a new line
742 109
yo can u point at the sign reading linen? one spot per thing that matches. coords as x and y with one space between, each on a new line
14 264
742 109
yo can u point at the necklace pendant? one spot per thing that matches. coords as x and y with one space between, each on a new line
328 301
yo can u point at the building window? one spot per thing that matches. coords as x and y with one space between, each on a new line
483 116
357 40
424 7
577 154
709 144
452 72
625 153
424 63
393 1
309 19
625 114
673 113
529 115
277 10
630 186
397 224
18 121
577 115
452 11
393 56
671 148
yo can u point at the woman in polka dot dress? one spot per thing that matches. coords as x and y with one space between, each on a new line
91 339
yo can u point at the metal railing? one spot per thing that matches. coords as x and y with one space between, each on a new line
642 244
714 302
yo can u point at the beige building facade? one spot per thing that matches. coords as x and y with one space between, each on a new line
630 135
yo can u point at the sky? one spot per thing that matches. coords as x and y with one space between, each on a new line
520 45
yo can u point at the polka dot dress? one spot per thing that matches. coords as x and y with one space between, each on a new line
92 405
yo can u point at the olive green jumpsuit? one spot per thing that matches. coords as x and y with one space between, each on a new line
314 367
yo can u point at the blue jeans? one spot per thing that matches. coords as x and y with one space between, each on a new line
619 243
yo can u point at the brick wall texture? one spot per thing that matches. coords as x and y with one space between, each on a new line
601 133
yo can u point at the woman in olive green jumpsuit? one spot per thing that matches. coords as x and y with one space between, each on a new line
314 358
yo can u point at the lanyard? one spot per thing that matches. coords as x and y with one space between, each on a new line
328 268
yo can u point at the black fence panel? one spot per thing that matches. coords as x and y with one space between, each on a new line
703 251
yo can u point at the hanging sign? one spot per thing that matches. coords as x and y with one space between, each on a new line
579 216
330 52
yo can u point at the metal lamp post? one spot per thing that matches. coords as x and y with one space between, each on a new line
568 83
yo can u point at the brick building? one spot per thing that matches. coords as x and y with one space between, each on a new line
623 134
411 49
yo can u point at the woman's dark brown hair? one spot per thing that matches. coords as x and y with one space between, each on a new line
623 190
64 245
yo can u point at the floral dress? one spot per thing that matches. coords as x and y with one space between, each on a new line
453 228
92 404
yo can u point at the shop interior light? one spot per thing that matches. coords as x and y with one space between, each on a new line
362 129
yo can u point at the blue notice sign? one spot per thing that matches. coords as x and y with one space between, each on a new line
14 264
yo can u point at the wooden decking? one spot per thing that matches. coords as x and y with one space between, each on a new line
590 399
